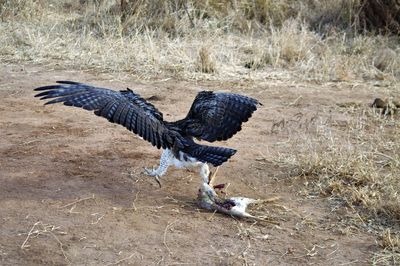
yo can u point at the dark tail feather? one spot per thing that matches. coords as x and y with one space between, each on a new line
209 154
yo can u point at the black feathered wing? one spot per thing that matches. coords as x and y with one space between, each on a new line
122 107
217 116
213 116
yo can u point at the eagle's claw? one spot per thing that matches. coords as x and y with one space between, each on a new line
150 172
153 172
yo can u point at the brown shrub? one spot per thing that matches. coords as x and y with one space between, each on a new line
381 16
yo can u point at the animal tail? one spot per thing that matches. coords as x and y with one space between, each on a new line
210 154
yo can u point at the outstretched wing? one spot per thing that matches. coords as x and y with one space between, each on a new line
122 107
218 116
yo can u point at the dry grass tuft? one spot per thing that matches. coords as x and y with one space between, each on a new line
389 240
390 253
205 63
384 59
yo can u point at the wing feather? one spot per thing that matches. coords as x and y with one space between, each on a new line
217 116
128 119
133 123
118 112
123 107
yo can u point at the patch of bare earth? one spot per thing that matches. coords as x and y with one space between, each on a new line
72 188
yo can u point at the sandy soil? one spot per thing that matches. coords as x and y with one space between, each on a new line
72 189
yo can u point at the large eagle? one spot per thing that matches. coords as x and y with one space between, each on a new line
213 116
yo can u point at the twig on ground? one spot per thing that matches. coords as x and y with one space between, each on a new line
121 260
295 101
134 200
29 235
77 201
45 229
165 236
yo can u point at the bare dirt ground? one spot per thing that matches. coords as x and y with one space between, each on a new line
72 189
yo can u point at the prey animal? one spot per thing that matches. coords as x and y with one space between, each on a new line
213 116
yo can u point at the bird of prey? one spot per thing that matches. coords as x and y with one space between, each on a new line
213 116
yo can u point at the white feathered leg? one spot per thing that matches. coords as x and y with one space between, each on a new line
184 161
204 173
165 161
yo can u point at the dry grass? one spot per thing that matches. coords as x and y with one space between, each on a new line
237 38
357 161
390 253
205 63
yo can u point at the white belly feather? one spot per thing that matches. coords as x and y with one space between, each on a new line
184 161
